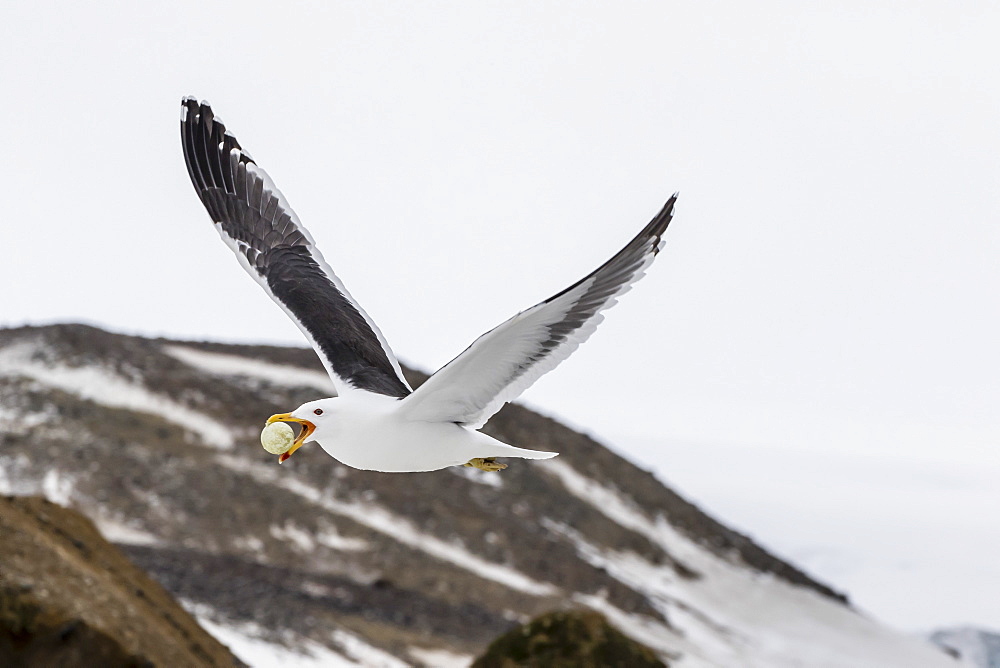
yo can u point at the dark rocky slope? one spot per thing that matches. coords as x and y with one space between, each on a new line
158 442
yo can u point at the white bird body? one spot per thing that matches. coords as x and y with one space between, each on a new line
377 421
369 432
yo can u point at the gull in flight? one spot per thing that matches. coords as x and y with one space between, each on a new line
377 421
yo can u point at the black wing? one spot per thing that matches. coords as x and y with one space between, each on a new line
254 220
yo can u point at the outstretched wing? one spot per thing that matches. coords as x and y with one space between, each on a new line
254 220
505 361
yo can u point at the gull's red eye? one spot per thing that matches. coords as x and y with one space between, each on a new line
318 411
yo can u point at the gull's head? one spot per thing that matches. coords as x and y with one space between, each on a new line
311 417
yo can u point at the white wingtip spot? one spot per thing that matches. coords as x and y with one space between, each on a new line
184 111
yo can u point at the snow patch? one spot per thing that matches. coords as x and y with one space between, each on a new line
398 528
440 658
611 504
102 386
221 364
245 642
22 422
57 487
123 534
329 537
248 543
649 632
363 653
301 539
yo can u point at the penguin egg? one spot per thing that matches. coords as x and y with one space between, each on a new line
277 438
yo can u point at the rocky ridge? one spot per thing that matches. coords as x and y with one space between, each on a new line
157 441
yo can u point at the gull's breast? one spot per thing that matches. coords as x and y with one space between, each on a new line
380 442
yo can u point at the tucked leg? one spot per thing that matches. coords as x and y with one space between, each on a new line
486 464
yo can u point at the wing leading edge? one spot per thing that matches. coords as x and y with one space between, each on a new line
505 361
271 244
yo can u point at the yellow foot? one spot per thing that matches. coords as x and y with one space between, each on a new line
486 464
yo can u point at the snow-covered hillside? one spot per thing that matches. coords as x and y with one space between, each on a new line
313 563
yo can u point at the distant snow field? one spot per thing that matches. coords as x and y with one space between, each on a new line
911 541
724 616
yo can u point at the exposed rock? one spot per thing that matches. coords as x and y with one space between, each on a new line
70 598
570 639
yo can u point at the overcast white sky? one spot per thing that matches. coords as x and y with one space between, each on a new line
828 289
